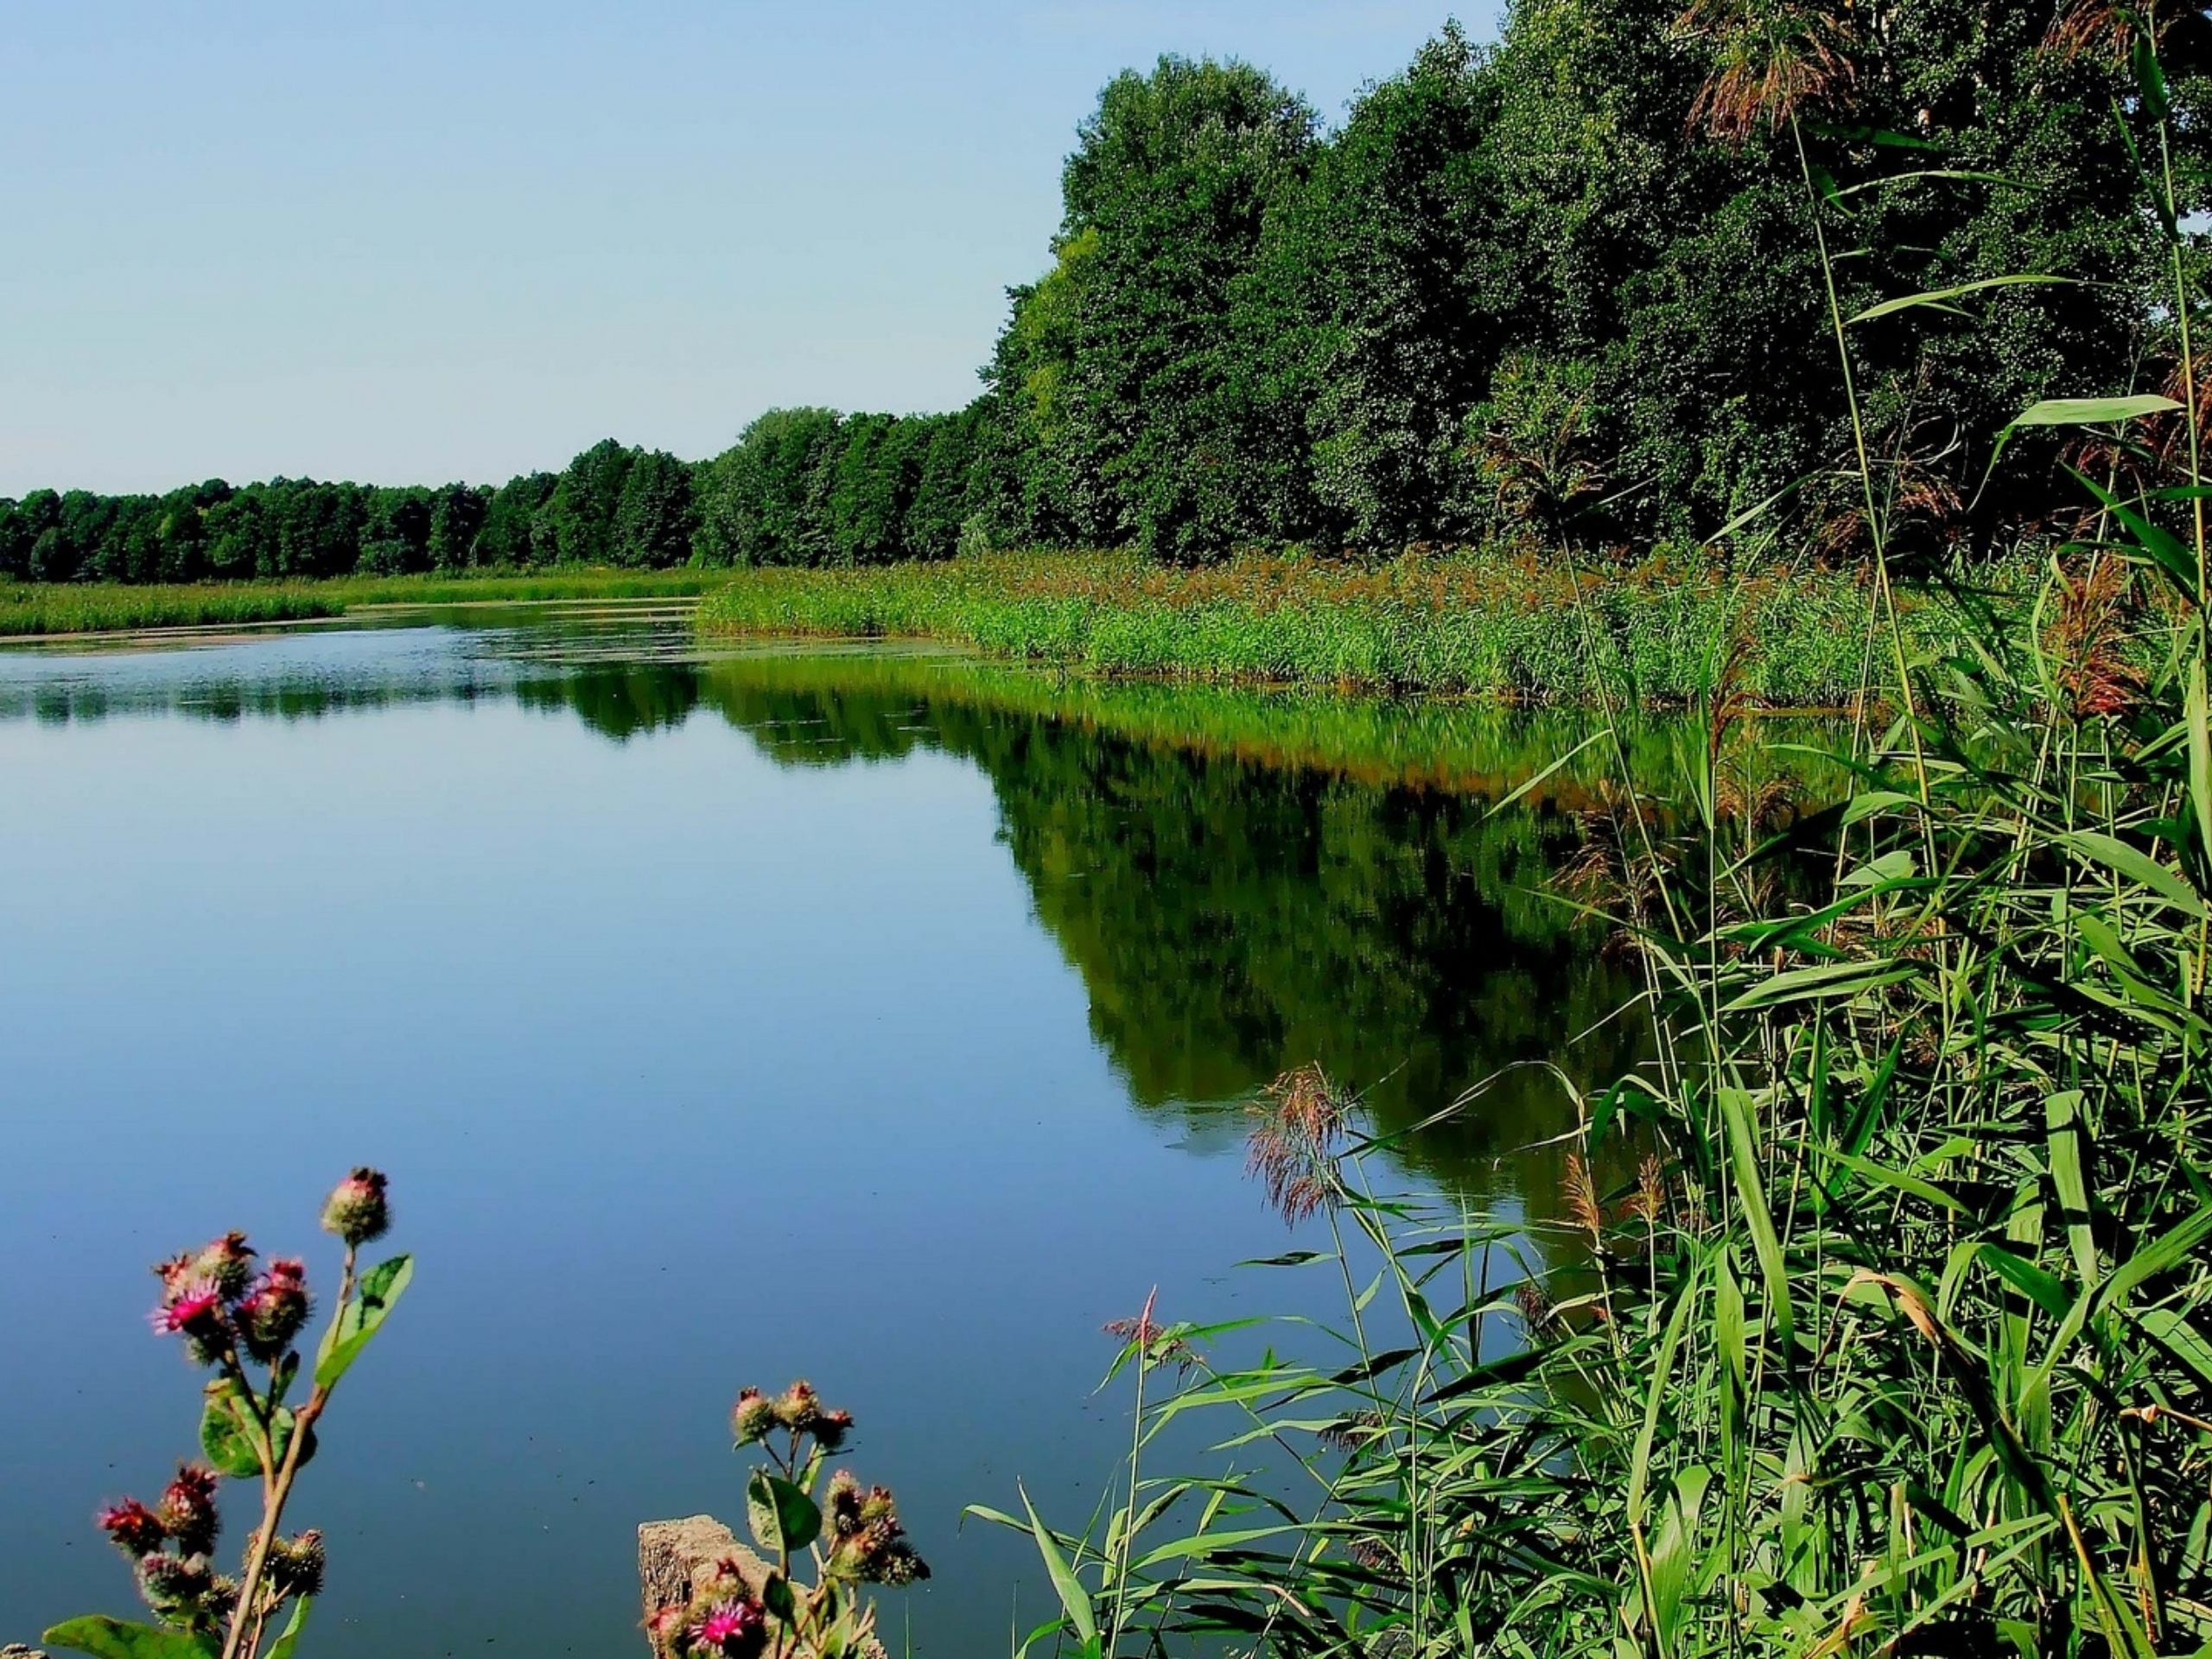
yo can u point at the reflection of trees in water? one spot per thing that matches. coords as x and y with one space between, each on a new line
1233 908
617 700
1231 919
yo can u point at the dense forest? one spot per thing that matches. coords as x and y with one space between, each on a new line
1543 288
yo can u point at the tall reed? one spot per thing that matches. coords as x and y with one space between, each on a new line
1877 1317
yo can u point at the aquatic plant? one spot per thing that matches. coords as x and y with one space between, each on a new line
1876 1315
1507 624
850 1536
241 1323
29 609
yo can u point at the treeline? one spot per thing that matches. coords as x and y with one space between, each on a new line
1556 289
800 486
611 505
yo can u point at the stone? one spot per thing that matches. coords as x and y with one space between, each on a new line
17 1650
672 1554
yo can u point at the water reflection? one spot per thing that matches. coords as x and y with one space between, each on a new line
632 1015
1245 881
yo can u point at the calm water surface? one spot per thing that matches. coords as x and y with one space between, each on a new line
861 1014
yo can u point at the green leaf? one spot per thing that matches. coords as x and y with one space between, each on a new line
2180 1339
228 1433
1639 1476
1940 297
2200 755
2162 1256
1809 984
2092 412
1537 781
230 1437
112 1638
1927 1191
2064 1134
1075 1600
2150 77
784 1519
381 1288
1750 1194
290 1640
776 1596
2135 865
2041 1288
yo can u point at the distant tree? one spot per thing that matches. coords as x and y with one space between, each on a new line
457 514
395 532
577 521
508 540
877 468
1391 251
764 500
654 519
944 497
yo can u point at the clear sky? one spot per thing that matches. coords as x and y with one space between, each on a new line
408 242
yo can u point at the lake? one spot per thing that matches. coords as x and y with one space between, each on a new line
721 1017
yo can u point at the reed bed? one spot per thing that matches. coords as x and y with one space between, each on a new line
1514 627
42 609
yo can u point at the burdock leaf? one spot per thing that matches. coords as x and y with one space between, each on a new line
228 1433
361 1318
112 1638
776 1597
783 1518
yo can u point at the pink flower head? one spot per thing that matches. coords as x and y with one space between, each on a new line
192 1305
275 1309
134 1528
187 1511
728 1626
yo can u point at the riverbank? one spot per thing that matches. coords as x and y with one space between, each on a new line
38 609
1516 628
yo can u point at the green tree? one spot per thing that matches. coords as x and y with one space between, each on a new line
457 513
577 521
764 500
654 519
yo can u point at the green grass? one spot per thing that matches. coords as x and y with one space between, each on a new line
106 607
1493 625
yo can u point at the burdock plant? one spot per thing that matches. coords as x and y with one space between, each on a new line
243 1324
849 1537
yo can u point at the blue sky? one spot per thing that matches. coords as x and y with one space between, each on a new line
402 242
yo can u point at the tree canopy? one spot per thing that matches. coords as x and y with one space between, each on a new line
1557 287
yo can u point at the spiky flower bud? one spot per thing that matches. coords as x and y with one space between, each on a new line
172 1584
187 1511
357 1210
843 1504
799 1408
832 1427
666 1629
275 1310
133 1529
751 1418
187 1591
297 1565
227 1264
871 1543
